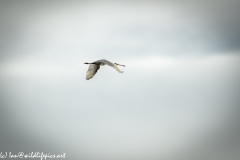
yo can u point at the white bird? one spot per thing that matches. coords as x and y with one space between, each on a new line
94 66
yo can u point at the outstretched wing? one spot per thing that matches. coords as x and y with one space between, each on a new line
110 64
92 70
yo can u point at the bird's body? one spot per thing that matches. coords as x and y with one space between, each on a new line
94 67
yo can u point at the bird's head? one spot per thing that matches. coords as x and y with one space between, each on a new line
86 63
119 64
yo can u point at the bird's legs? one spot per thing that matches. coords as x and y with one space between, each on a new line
89 63
119 64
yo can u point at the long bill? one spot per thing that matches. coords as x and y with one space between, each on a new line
120 64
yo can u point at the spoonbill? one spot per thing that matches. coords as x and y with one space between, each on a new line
94 66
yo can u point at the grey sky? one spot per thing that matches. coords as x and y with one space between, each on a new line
177 98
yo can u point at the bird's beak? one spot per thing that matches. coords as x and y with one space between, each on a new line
120 64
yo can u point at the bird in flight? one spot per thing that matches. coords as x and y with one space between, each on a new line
94 66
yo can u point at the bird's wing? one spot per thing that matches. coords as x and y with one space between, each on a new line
92 70
110 64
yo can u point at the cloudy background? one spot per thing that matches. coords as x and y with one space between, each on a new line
178 98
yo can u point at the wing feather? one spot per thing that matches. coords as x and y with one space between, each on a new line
92 70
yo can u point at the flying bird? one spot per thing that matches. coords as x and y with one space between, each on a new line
94 66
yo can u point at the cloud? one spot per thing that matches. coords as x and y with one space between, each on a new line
117 28
177 98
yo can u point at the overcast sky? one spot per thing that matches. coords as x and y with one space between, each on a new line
178 97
